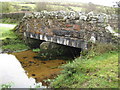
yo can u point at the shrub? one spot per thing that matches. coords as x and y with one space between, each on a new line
98 49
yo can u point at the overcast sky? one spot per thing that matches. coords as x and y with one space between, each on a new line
100 2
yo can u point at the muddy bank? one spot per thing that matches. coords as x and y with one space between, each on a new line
38 69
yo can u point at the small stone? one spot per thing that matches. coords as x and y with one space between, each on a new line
33 75
24 57
43 62
31 62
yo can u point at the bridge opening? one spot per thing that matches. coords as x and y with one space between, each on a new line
51 51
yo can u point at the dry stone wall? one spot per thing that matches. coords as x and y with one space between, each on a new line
15 15
74 29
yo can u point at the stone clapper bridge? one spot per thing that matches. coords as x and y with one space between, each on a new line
73 29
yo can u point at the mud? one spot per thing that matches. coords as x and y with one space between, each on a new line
38 69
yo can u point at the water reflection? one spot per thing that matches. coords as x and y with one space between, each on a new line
11 71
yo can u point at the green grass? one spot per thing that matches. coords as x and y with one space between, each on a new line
36 50
10 40
117 31
95 68
6 32
33 6
76 8
15 47
57 8
98 72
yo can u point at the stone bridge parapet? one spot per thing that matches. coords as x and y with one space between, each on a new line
74 29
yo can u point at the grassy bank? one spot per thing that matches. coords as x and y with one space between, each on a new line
10 40
6 31
95 70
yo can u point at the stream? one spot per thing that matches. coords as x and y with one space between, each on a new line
25 71
11 72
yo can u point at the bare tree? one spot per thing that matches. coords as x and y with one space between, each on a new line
91 7
40 6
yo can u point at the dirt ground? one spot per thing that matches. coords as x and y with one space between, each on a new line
38 69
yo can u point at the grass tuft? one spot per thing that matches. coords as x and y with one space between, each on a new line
36 50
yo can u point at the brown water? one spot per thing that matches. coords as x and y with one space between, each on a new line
38 69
